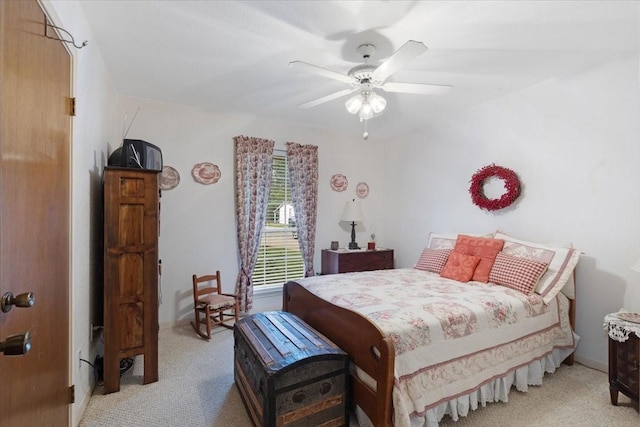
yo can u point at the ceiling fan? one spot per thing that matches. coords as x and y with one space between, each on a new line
366 77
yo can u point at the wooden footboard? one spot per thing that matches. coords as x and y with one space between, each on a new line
572 321
368 347
365 343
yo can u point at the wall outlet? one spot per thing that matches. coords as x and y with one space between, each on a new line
79 358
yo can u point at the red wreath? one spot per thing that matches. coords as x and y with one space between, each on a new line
511 184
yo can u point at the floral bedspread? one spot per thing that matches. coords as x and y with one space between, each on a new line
449 337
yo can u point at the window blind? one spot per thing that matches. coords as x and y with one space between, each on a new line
279 257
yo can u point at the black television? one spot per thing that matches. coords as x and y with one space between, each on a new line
137 154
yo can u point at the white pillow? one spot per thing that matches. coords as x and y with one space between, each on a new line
561 260
442 241
448 240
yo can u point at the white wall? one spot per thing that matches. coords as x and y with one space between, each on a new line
575 144
92 129
198 228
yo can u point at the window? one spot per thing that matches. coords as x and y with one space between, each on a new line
279 257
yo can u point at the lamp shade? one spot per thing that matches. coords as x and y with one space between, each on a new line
352 212
354 104
636 266
377 102
366 112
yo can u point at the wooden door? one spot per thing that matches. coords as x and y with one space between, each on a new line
35 78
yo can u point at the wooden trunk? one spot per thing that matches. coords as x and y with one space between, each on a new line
288 374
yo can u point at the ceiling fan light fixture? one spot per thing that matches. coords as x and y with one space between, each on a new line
377 102
366 112
366 77
365 104
354 104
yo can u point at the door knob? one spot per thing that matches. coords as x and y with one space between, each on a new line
16 345
23 300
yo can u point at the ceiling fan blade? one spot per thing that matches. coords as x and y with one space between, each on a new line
418 88
314 69
399 59
327 98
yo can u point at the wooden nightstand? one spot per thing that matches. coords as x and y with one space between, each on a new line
346 261
624 358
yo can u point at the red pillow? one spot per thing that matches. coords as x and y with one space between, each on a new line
460 267
482 247
432 260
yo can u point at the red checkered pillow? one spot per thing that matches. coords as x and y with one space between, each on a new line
433 260
516 273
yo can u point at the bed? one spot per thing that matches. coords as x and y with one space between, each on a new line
423 345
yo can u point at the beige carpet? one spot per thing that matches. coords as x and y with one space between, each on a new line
196 388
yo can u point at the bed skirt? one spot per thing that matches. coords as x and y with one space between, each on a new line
494 391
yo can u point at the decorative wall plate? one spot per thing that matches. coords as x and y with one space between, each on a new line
169 179
362 190
339 182
206 173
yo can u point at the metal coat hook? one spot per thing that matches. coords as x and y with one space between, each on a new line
72 41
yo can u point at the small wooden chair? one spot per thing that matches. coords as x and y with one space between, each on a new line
211 306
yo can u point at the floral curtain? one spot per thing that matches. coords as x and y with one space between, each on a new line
303 177
254 159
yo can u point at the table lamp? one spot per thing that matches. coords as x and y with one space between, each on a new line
352 213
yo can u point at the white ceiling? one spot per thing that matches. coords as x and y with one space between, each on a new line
233 56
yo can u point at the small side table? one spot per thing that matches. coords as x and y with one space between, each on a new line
624 357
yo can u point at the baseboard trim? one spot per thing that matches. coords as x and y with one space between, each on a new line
593 364
263 300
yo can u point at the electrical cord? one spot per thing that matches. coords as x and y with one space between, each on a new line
95 373
125 365
88 363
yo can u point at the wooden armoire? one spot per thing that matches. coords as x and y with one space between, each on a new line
131 228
